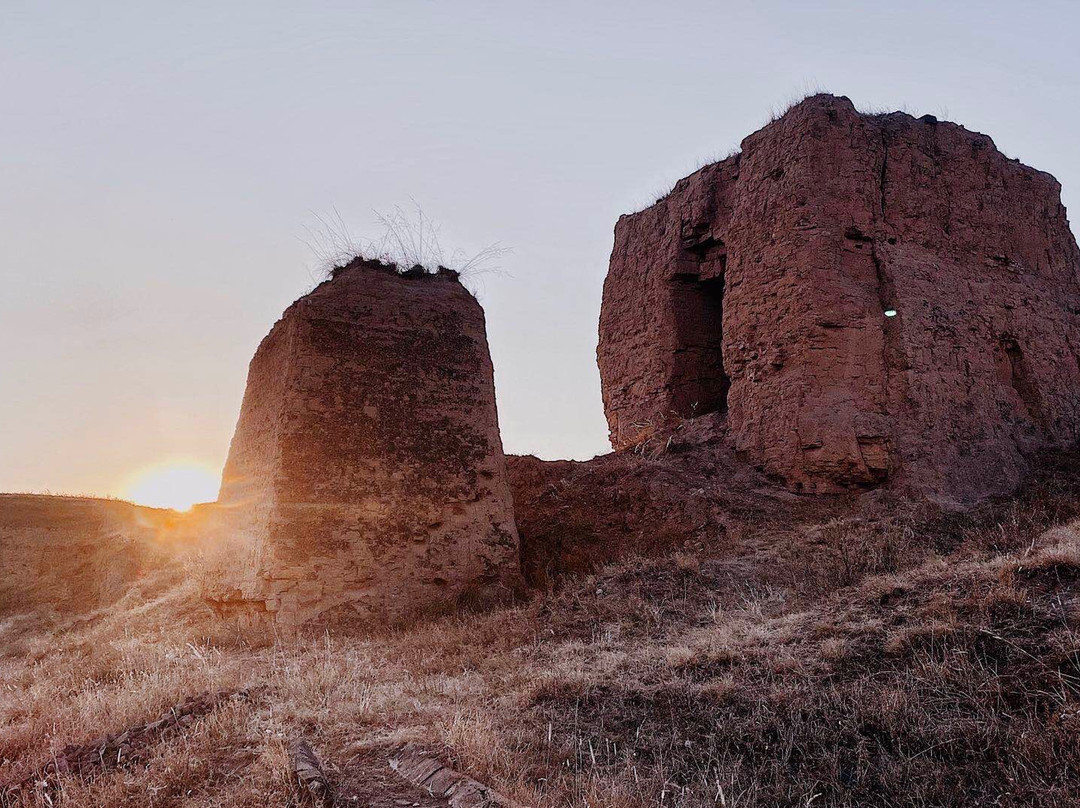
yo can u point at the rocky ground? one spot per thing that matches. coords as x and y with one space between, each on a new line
694 637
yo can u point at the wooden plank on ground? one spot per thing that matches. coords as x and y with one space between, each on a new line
425 770
309 775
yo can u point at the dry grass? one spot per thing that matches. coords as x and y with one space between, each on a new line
888 657
409 240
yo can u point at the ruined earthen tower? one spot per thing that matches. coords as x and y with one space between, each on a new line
366 477
870 298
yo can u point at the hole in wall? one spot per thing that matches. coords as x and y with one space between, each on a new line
699 383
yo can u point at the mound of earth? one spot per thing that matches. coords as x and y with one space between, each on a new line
685 488
72 555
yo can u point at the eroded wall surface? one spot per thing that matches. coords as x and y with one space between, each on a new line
895 301
366 477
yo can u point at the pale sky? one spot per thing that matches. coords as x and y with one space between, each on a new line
159 163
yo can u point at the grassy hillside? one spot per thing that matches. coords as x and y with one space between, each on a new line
886 655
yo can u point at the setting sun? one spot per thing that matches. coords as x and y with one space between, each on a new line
177 485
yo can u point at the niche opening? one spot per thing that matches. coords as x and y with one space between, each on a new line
699 382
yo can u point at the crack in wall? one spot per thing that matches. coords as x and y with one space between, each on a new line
883 174
891 334
885 287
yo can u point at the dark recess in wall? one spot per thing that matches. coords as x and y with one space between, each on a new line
700 383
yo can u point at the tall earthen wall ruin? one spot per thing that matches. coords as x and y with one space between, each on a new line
871 299
366 478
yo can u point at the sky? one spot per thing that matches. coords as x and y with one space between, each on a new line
161 165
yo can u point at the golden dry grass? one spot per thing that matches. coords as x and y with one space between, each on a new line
886 658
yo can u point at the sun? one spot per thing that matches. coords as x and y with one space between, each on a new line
173 484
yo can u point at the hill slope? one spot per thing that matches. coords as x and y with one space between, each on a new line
873 654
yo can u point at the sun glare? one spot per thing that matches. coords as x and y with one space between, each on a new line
176 485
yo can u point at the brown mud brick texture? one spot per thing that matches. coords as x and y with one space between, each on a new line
759 287
366 478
